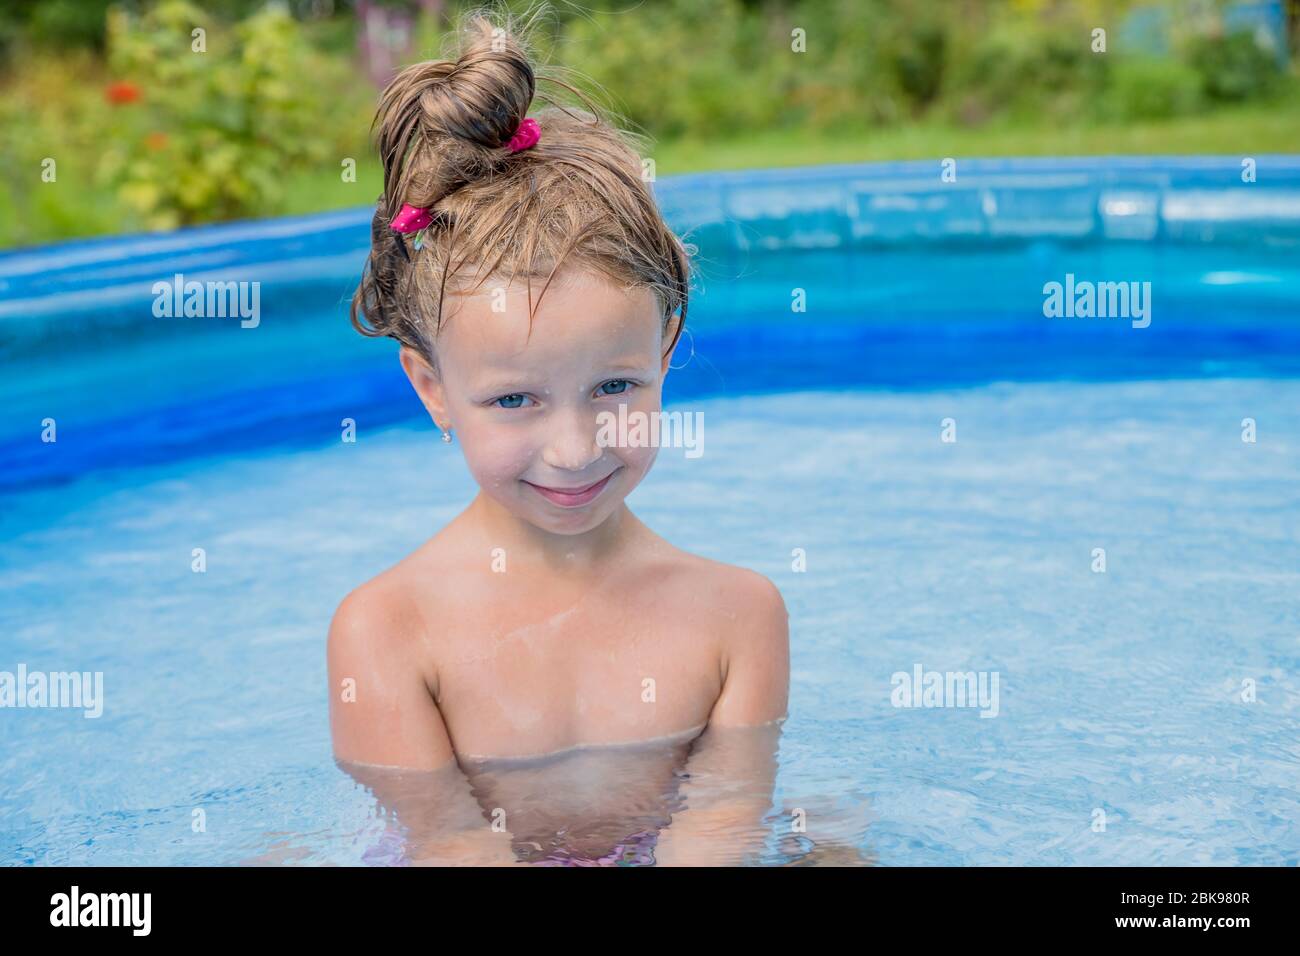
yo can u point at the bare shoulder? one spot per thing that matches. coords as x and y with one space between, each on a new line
388 617
382 684
745 597
377 618
760 622
745 612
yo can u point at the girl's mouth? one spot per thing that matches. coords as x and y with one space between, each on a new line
573 497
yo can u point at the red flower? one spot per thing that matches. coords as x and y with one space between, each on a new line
123 91
156 141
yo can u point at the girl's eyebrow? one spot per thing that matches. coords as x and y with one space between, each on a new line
504 379
504 386
627 366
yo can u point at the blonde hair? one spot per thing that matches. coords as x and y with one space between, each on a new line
577 196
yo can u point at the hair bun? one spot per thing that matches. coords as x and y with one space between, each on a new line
445 123
577 200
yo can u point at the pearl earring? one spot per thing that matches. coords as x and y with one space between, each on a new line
446 434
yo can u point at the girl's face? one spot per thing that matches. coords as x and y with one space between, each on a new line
526 408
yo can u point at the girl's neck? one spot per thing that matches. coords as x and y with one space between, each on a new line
527 545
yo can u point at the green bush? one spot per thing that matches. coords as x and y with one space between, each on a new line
918 61
1022 70
212 133
1150 88
52 109
677 68
68 23
1233 67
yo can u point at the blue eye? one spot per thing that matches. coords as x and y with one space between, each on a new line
618 381
513 400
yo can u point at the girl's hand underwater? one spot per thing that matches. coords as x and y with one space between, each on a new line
476 847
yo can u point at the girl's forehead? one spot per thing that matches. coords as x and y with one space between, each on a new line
566 283
574 314
563 350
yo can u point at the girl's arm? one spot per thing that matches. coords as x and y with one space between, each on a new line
439 821
730 776
390 736
731 770
756 658
381 710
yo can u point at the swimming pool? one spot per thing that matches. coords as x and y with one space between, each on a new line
1144 714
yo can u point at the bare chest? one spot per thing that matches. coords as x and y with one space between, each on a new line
529 680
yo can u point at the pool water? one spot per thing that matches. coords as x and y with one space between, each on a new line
927 476
1119 690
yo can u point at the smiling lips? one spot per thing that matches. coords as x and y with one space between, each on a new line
572 497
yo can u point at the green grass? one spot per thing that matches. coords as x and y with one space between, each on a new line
1245 132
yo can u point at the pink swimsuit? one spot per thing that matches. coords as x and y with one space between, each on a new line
638 850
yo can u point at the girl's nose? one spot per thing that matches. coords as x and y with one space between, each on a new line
572 443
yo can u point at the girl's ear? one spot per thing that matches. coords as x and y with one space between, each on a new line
427 385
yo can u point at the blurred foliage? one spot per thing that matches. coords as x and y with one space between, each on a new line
1233 67
148 134
1022 68
173 126
679 67
215 128
66 23
1148 88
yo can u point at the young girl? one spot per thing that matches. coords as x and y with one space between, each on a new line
524 267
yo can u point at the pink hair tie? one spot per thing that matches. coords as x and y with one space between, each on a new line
526 136
411 219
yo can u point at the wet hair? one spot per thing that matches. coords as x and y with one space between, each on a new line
576 198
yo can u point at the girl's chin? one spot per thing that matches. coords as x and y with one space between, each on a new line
570 520
570 527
